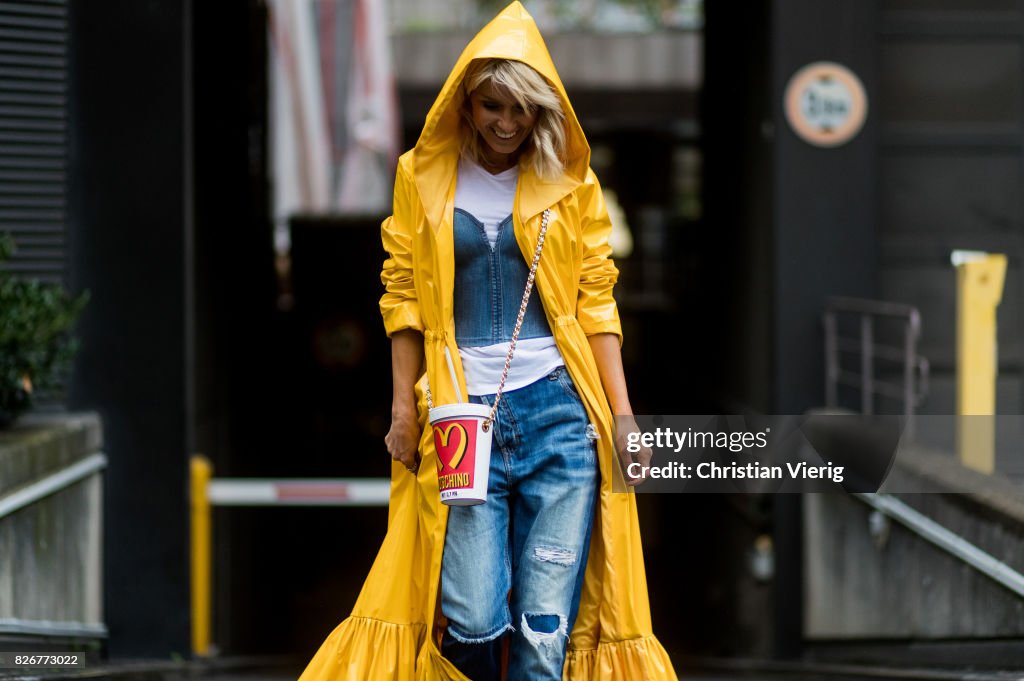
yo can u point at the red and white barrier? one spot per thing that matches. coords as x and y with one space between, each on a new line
298 492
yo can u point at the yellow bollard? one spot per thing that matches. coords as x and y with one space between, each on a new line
201 472
980 278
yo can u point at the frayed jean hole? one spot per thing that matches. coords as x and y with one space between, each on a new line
543 624
555 554
592 433
535 625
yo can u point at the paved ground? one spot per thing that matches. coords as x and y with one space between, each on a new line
97 674
286 669
282 675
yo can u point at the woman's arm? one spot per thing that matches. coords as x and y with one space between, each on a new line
598 316
406 367
609 365
400 309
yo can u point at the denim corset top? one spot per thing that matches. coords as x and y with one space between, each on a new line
489 284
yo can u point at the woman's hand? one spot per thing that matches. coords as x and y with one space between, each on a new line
609 365
631 452
403 438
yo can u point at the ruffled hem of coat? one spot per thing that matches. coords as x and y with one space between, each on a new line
362 648
367 649
638 659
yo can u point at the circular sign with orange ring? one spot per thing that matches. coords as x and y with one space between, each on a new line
826 104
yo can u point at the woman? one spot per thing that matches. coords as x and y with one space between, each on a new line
552 561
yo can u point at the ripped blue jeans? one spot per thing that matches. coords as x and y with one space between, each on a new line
529 540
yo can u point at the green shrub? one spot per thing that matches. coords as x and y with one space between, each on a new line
36 346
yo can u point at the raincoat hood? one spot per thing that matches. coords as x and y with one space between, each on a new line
512 35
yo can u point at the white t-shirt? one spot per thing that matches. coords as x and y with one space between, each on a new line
486 197
490 198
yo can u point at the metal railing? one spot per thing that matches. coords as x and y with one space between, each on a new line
52 483
956 546
912 388
24 497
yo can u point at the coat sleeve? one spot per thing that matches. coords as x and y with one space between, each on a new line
595 307
399 305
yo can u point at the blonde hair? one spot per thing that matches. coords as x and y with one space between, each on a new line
546 152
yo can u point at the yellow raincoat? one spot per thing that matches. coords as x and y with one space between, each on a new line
392 632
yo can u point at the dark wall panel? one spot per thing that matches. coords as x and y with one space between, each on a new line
738 197
130 224
938 193
825 210
951 83
965 6
952 120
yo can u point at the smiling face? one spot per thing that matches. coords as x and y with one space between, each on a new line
502 124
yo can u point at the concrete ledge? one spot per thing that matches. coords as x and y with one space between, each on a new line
51 549
942 472
866 580
40 444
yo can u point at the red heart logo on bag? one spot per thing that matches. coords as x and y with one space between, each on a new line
452 439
